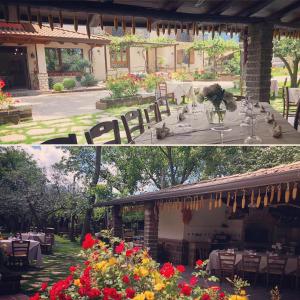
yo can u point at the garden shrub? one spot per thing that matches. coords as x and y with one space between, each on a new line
89 80
69 83
50 83
123 87
150 82
58 87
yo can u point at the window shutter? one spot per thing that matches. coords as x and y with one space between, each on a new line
192 56
180 56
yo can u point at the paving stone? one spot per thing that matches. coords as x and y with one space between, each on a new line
40 131
62 125
56 121
23 125
61 130
78 128
86 122
13 138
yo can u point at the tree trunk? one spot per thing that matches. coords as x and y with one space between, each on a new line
294 77
71 230
86 228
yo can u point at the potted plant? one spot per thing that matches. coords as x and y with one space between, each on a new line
239 286
219 101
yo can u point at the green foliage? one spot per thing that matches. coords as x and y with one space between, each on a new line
50 83
150 82
69 83
58 87
204 76
238 284
233 66
288 50
181 75
79 65
89 80
122 87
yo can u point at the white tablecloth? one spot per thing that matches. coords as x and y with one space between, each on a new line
34 236
35 252
214 261
294 95
274 87
179 89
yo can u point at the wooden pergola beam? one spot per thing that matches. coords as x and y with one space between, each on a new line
255 8
280 14
219 8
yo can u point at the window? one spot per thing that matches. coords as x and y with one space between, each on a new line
119 58
184 57
62 59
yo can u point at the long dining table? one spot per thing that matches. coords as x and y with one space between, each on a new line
195 129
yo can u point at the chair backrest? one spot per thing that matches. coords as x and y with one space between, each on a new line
276 264
227 260
251 262
70 140
285 82
20 248
135 115
162 89
297 116
151 113
103 128
162 108
49 238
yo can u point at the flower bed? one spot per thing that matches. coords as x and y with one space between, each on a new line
11 111
122 271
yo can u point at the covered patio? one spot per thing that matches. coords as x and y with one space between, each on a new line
254 213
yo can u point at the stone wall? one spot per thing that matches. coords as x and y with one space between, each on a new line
43 81
259 62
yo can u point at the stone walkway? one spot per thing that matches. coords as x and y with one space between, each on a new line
14 297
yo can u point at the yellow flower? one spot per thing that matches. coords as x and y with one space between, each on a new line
77 282
159 286
101 266
139 297
102 244
149 295
112 261
141 271
145 260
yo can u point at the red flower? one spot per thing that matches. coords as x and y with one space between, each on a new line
136 277
180 268
193 280
2 84
88 242
86 262
215 288
130 293
135 249
44 286
120 248
126 279
186 290
199 263
37 295
111 293
129 253
8 94
222 296
205 297
167 270
72 269
93 293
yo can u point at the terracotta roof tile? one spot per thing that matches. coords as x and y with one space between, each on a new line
34 31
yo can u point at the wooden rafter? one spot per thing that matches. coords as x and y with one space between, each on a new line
255 8
220 7
280 14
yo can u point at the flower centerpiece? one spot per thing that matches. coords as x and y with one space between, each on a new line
5 98
120 270
220 101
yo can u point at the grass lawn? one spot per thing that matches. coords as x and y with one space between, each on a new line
54 268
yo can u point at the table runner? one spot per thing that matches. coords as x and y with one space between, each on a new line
195 130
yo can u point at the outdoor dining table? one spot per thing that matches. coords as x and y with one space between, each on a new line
213 263
179 88
35 252
33 236
195 129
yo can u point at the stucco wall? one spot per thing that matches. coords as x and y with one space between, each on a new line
170 224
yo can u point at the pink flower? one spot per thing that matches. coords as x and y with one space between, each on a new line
2 84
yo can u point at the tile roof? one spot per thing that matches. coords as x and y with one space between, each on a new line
35 33
263 177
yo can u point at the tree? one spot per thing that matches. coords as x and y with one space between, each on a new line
85 164
215 49
288 50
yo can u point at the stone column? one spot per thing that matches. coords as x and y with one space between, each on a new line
151 229
259 62
117 221
42 75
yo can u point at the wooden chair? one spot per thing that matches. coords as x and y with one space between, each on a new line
20 251
70 140
103 128
139 126
297 116
227 263
275 267
47 245
296 273
151 114
289 108
162 92
163 108
250 265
